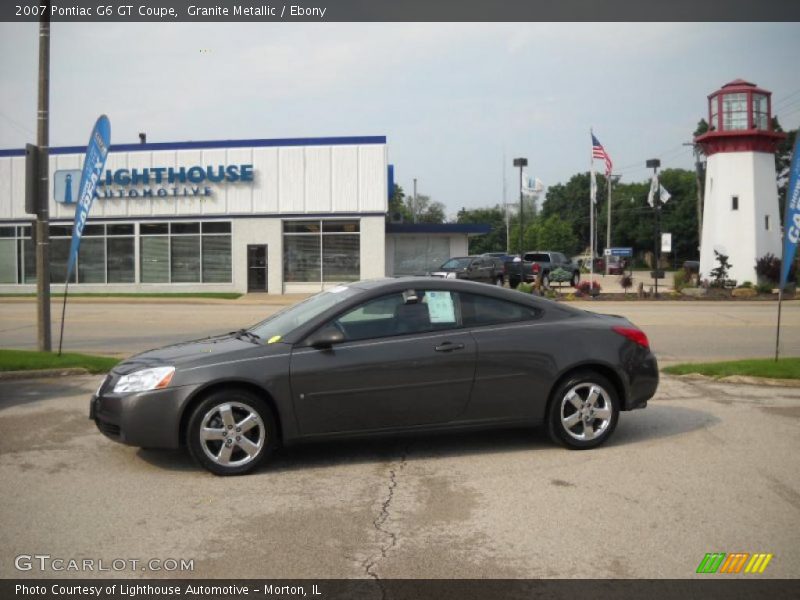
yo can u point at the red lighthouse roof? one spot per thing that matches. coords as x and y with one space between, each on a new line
740 120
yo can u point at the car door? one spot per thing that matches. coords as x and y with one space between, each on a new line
516 367
403 363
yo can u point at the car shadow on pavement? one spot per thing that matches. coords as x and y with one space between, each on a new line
641 426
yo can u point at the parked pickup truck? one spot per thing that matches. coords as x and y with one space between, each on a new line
536 262
475 268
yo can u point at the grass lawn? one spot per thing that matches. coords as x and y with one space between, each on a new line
218 295
785 368
27 360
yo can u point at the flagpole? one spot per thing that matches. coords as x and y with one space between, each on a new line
505 207
63 312
608 225
591 215
778 331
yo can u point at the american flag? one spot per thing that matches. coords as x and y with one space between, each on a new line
599 152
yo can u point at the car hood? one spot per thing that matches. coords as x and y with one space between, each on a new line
198 352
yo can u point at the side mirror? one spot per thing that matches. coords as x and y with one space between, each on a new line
325 337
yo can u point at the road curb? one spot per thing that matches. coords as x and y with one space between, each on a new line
741 379
42 373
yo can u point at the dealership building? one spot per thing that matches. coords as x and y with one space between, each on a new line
276 216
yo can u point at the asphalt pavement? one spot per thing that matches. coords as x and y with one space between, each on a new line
707 467
678 330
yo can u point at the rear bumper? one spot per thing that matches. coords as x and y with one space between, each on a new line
145 419
643 383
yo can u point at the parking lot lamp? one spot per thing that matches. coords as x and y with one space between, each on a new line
654 163
521 163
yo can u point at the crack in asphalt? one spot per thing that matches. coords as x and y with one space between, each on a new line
379 523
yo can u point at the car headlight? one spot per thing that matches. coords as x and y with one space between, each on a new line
144 380
451 275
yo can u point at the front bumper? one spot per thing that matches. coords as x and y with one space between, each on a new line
145 419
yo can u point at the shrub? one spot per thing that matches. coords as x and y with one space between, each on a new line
720 273
746 284
768 268
588 288
525 288
764 288
626 283
680 280
560 275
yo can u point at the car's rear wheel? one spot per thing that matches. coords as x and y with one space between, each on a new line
231 432
576 279
583 411
546 281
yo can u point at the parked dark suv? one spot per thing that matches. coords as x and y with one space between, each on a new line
540 261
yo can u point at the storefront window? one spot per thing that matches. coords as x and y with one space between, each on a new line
419 254
8 260
92 260
154 259
216 258
121 263
321 251
185 258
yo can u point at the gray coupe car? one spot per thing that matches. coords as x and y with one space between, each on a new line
379 357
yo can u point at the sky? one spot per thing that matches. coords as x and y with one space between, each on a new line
457 101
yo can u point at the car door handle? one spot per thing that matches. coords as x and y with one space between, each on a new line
448 347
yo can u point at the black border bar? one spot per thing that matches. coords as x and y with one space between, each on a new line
402 10
711 587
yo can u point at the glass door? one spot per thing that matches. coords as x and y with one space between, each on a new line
257 268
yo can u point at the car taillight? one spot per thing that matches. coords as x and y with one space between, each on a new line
535 267
633 334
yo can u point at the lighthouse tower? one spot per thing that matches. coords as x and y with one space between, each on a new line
740 213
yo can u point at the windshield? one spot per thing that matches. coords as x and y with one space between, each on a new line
456 263
272 329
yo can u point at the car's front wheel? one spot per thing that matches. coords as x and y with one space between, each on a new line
584 411
231 432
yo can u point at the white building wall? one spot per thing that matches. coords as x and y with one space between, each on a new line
740 234
322 181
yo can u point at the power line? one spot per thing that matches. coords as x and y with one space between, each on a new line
16 124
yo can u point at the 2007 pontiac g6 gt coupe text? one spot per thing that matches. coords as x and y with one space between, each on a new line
378 357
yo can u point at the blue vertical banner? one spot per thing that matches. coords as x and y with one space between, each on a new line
791 222
93 164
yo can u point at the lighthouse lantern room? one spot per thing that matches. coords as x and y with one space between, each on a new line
740 212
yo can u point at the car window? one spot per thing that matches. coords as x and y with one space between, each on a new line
400 313
479 310
537 257
477 262
456 263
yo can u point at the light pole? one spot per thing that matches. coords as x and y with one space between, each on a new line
654 163
521 163
612 178
42 224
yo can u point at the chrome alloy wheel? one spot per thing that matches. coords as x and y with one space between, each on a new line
586 411
232 434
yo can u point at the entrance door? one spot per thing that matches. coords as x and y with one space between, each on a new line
257 268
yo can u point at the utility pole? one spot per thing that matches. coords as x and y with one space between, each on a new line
42 224
654 163
608 224
414 203
521 163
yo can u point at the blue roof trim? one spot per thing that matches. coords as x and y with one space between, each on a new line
217 144
467 228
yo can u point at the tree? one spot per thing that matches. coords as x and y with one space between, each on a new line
397 206
423 210
495 240
783 162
